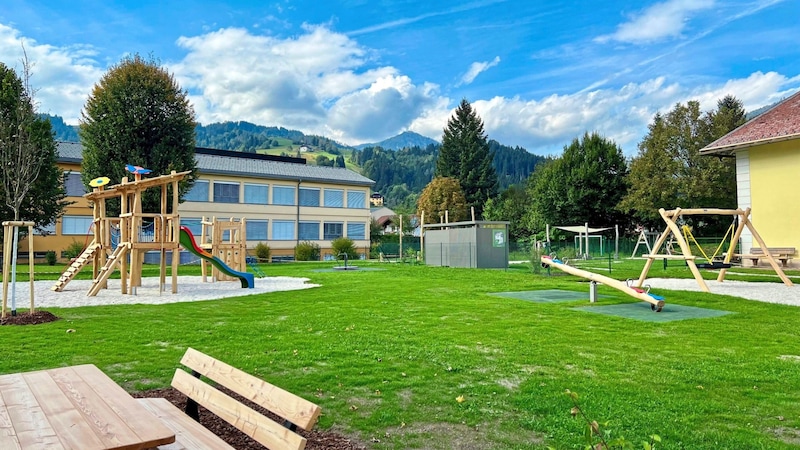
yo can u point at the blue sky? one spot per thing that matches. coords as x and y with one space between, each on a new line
538 73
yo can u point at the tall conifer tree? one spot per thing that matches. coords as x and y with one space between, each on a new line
465 156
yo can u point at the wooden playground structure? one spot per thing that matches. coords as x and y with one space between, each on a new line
672 231
227 240
135 237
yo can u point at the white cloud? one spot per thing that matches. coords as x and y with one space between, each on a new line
319 82
659 21
476 69
621 114
62 77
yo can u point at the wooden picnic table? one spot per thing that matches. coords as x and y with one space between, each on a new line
76 407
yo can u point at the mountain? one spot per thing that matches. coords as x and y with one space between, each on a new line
63 132
405 139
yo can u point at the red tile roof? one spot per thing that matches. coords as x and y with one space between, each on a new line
779 123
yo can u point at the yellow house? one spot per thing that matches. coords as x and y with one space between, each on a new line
767 151
284 201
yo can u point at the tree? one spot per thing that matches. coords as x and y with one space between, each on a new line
32 184
584 185
137 114
668 170
465 156
511 205
443 194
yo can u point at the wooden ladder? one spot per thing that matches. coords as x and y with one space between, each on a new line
75 267
107 269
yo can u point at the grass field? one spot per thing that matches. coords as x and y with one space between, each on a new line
389 353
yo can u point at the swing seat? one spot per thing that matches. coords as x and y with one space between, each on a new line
713 265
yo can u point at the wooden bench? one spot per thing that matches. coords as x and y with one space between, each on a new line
190 434
784 254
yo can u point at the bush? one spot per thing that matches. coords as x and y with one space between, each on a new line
51 258
73 250
346 246
262 252
306 251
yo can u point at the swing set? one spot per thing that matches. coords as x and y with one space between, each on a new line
713 261
682 235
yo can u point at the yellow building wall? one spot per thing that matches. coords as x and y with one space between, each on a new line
775 197
58 242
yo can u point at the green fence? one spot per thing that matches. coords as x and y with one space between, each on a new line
602 247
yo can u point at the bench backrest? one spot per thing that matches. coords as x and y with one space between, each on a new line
295 410
774 251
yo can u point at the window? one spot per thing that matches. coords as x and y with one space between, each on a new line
334 198
76 224
283 195
309 231
226 192
256 193
257 230
356 199
49 230
356 230
199 192
73 185
195 226
333 230
283 230
309 196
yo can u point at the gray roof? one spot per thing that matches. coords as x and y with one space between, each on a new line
248 167
71 152
223 165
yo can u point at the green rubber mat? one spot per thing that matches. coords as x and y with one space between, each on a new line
349 269
642 311
546 296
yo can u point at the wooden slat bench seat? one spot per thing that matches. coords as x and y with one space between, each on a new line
297 412
784 254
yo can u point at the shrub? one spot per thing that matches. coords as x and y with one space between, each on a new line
262 252
346 246
51 258
73 250
306 251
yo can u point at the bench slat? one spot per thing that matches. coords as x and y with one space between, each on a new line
774 251
296 409
189 434
262 429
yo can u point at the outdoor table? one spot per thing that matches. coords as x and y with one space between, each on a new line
76 407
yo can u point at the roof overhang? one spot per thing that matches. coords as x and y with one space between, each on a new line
733 148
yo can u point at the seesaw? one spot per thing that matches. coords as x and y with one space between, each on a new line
656 301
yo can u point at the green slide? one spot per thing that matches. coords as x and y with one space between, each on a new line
188 242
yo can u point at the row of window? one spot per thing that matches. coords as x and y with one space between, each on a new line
258 194
257 230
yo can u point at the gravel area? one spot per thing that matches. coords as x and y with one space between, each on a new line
190 289
776 292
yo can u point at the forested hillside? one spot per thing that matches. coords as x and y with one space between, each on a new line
248 137
401 175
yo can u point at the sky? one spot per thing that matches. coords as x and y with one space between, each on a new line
539 74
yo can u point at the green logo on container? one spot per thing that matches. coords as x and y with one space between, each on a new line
499 238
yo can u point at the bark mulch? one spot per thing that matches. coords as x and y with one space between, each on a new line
317 440
26 318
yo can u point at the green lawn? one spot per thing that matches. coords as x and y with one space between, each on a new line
386 353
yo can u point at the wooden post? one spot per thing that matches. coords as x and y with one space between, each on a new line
10 250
